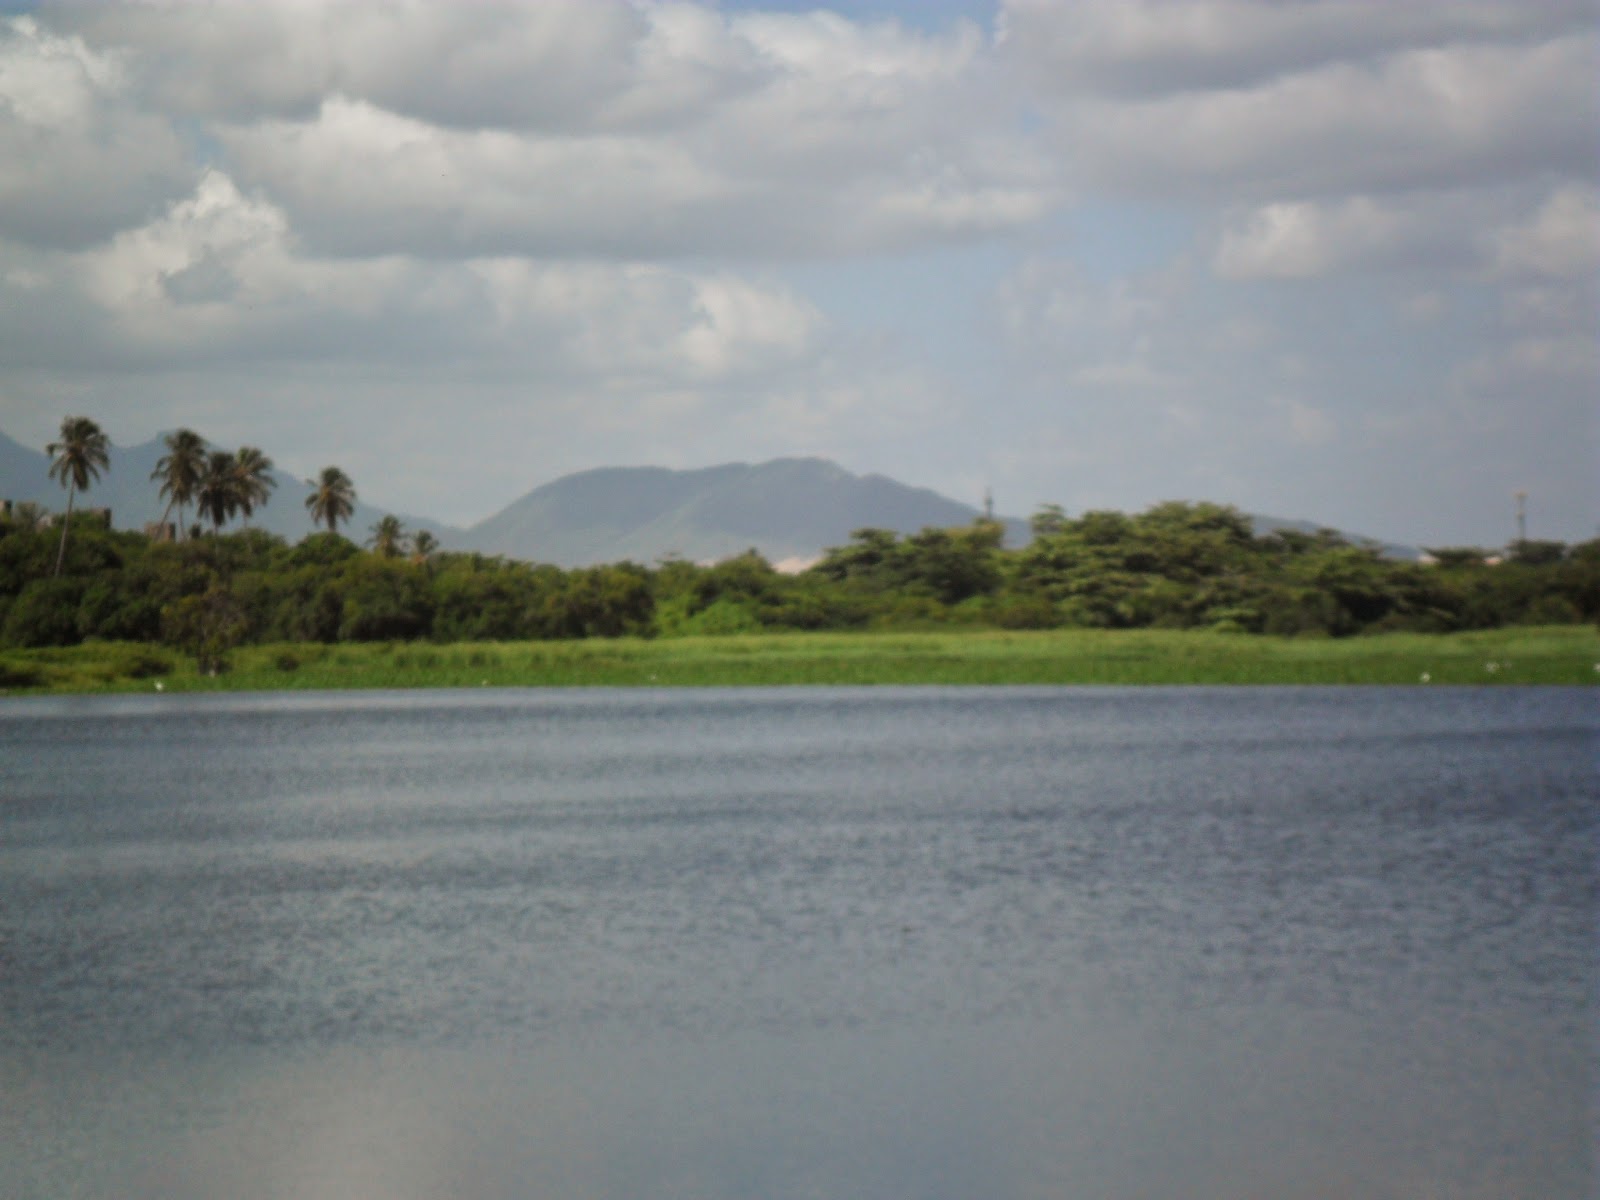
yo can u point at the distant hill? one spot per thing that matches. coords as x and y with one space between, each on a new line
789 508
134 499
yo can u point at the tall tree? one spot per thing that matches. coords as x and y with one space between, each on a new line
180 471
218 494
253 481
388 537
75 462
333 500
423 544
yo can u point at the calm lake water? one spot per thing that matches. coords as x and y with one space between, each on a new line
854 943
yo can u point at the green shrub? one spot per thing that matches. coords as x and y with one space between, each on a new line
206 626
139 662
1027 611
723 615
16 674
45 614
1552 610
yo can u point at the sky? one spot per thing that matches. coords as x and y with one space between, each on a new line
1334 260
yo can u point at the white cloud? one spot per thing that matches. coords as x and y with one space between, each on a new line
1313 99
581 129
1156 47
219 274
1514 232
221 265
1561 241
738 325
1301 240
361 180
215 228
77 161
495 64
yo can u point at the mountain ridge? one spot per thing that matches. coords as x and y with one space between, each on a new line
784 508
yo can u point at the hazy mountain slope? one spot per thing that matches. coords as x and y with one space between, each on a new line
23 474
786 508
134 498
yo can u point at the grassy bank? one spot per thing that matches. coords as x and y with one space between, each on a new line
1546 655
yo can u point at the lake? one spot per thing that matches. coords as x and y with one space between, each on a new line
896 942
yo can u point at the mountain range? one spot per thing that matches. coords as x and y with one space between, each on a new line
789 509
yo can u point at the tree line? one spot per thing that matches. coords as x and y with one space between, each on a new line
221 484
1176 565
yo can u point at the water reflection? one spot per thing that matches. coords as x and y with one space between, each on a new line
1307 1104
929 942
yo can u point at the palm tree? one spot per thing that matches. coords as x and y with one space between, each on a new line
333 499
253 481
218 494
423 544
180 470
388 537
75 462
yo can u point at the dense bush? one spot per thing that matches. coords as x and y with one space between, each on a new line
45 613
1176 565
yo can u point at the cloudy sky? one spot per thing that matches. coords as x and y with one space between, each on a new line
1328 259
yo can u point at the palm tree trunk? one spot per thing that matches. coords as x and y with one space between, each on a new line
61 554
167 512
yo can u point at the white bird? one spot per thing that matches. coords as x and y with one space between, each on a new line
160 687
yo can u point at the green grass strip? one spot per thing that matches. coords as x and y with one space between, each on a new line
1561 655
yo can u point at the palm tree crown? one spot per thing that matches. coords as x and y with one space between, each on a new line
332 500
423 544
78 458
253 481
218 494
75 462
180 470
388 537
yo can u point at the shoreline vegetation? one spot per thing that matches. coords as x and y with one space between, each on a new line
1549 655
1183 593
